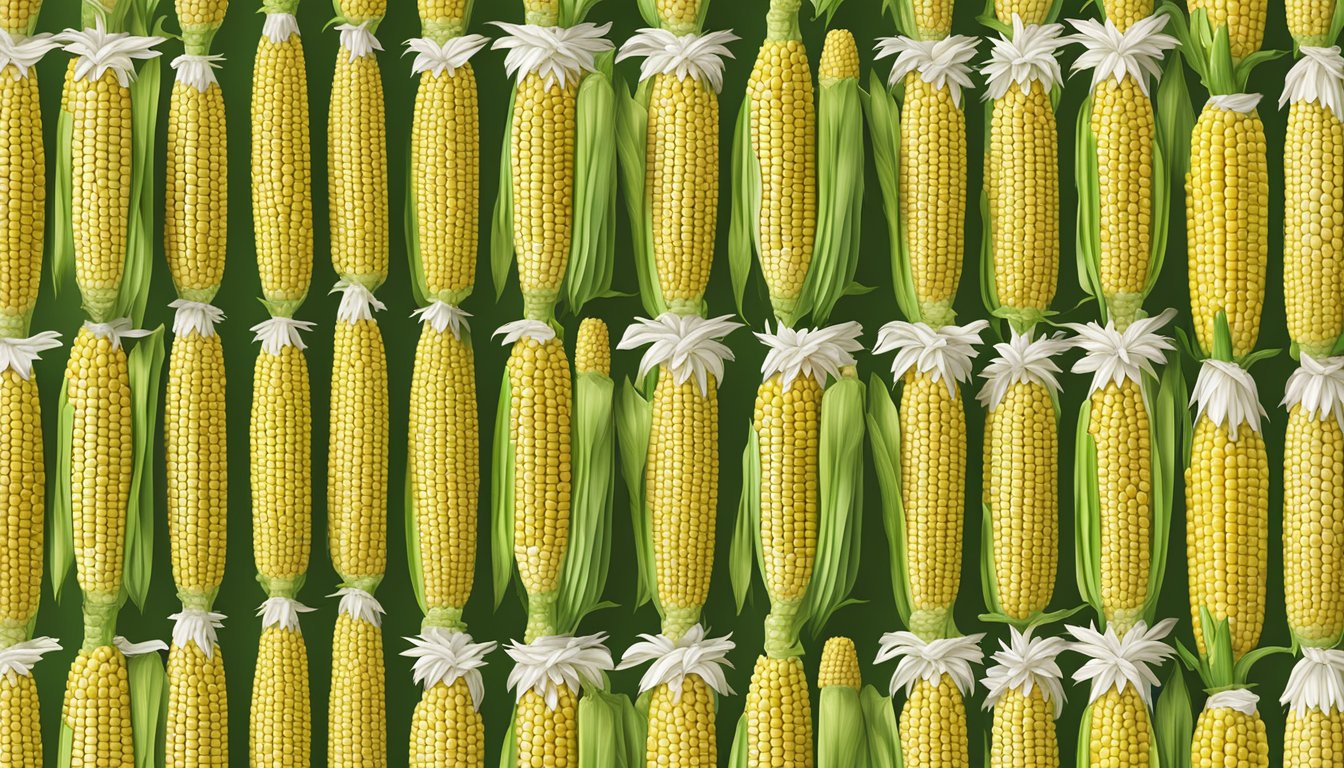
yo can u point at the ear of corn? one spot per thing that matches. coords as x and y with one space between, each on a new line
1313 22
446 729
1313 737
779 715
97 711
841 731
1230 736
933 726
357 708
1027 697
22 486
198 722
1243 19
1314 731
196 181
281 721
682 728
21 743
357 158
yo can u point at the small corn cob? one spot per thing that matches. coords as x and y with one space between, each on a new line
931 365
1314 733
935 677
1022 172
22 169
281 722
1229 732
681 469
1313 243
1021 475
98 709
783 135
1120 668
446 728
1027 696
779 715
1244 19
1123 128
682 694
548 677
932 185
839 665
282 202
357 157
1313 505
357 708
1227 193
198 715
1310 22
20 726
1227 506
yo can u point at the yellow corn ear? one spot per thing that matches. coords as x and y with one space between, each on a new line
839 58
1031 11
1227 218
933 19
196 452
1122 122
1313 227
281 467
20 725
198 712
281 721
282 204
1313 528
1022 184
357 716
1230 738
682 731
1244 19
682 481
196 182
444 14
679 16
1125 13
592 348
933 726
784 140
933 194
446 729
363 10
1023 732
544 736
99 390
1122 730
682 176
18 16
788 425
779 715
933 496
357 167
100 160
22 505
444 457
545 123
445 167
839 665
357 457
1313 739
1309 21
23 208
1021 492
208 14
1120 427
98 709
1227 531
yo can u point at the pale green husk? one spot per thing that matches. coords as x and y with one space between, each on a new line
1173 724
884 125
632 125
634 422
149 713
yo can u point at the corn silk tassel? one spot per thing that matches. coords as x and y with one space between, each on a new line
796 520
556 204
935 677
1117 726
919 148
1124 163
1026 696
1314 732
920 453
1124 469
1020 526
668 143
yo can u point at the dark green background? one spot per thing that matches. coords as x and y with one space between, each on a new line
240 595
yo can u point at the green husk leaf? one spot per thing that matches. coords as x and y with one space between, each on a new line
737 756
1083 750
501 226
593 250
840 172
989 585
841 738
588 556
145 364
988 288
1336 24
903 14
62 228
1167 405
743 234
1175 121
634 421
648 10
988 18
149 708
631 145
1087 181
1087 514
61 531
746 544
575 11
1173 722
839 526
884 738
133 294
884 429
66 745
508 750
1160 208
884 126
414 557
826 8
411 229
605 740
501 495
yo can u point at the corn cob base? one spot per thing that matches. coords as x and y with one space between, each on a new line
933 726
446 729
544 736
1313 528
1313 739
779 715
23 210
98 710
1023 733
357 737
20 726
682 732
198 713
1225 738
281 724
22 506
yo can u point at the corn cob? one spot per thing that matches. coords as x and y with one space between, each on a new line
931 196
356 710
22 169
1313 243
1126 13
684 76
1022 172
18 18
1226 487
1119 667
98 709
21 737
839 665
1229 732
1310 22
1021 477
1313 505
931 365
198 721
281 722
550 64
1314 733
446 728
683 687
1029 11
779 715
196 180
1123 128
281 167
935 677
548 675
357 160
1027 696
1244 19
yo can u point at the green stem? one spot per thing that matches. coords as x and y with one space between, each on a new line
444 617
781 21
